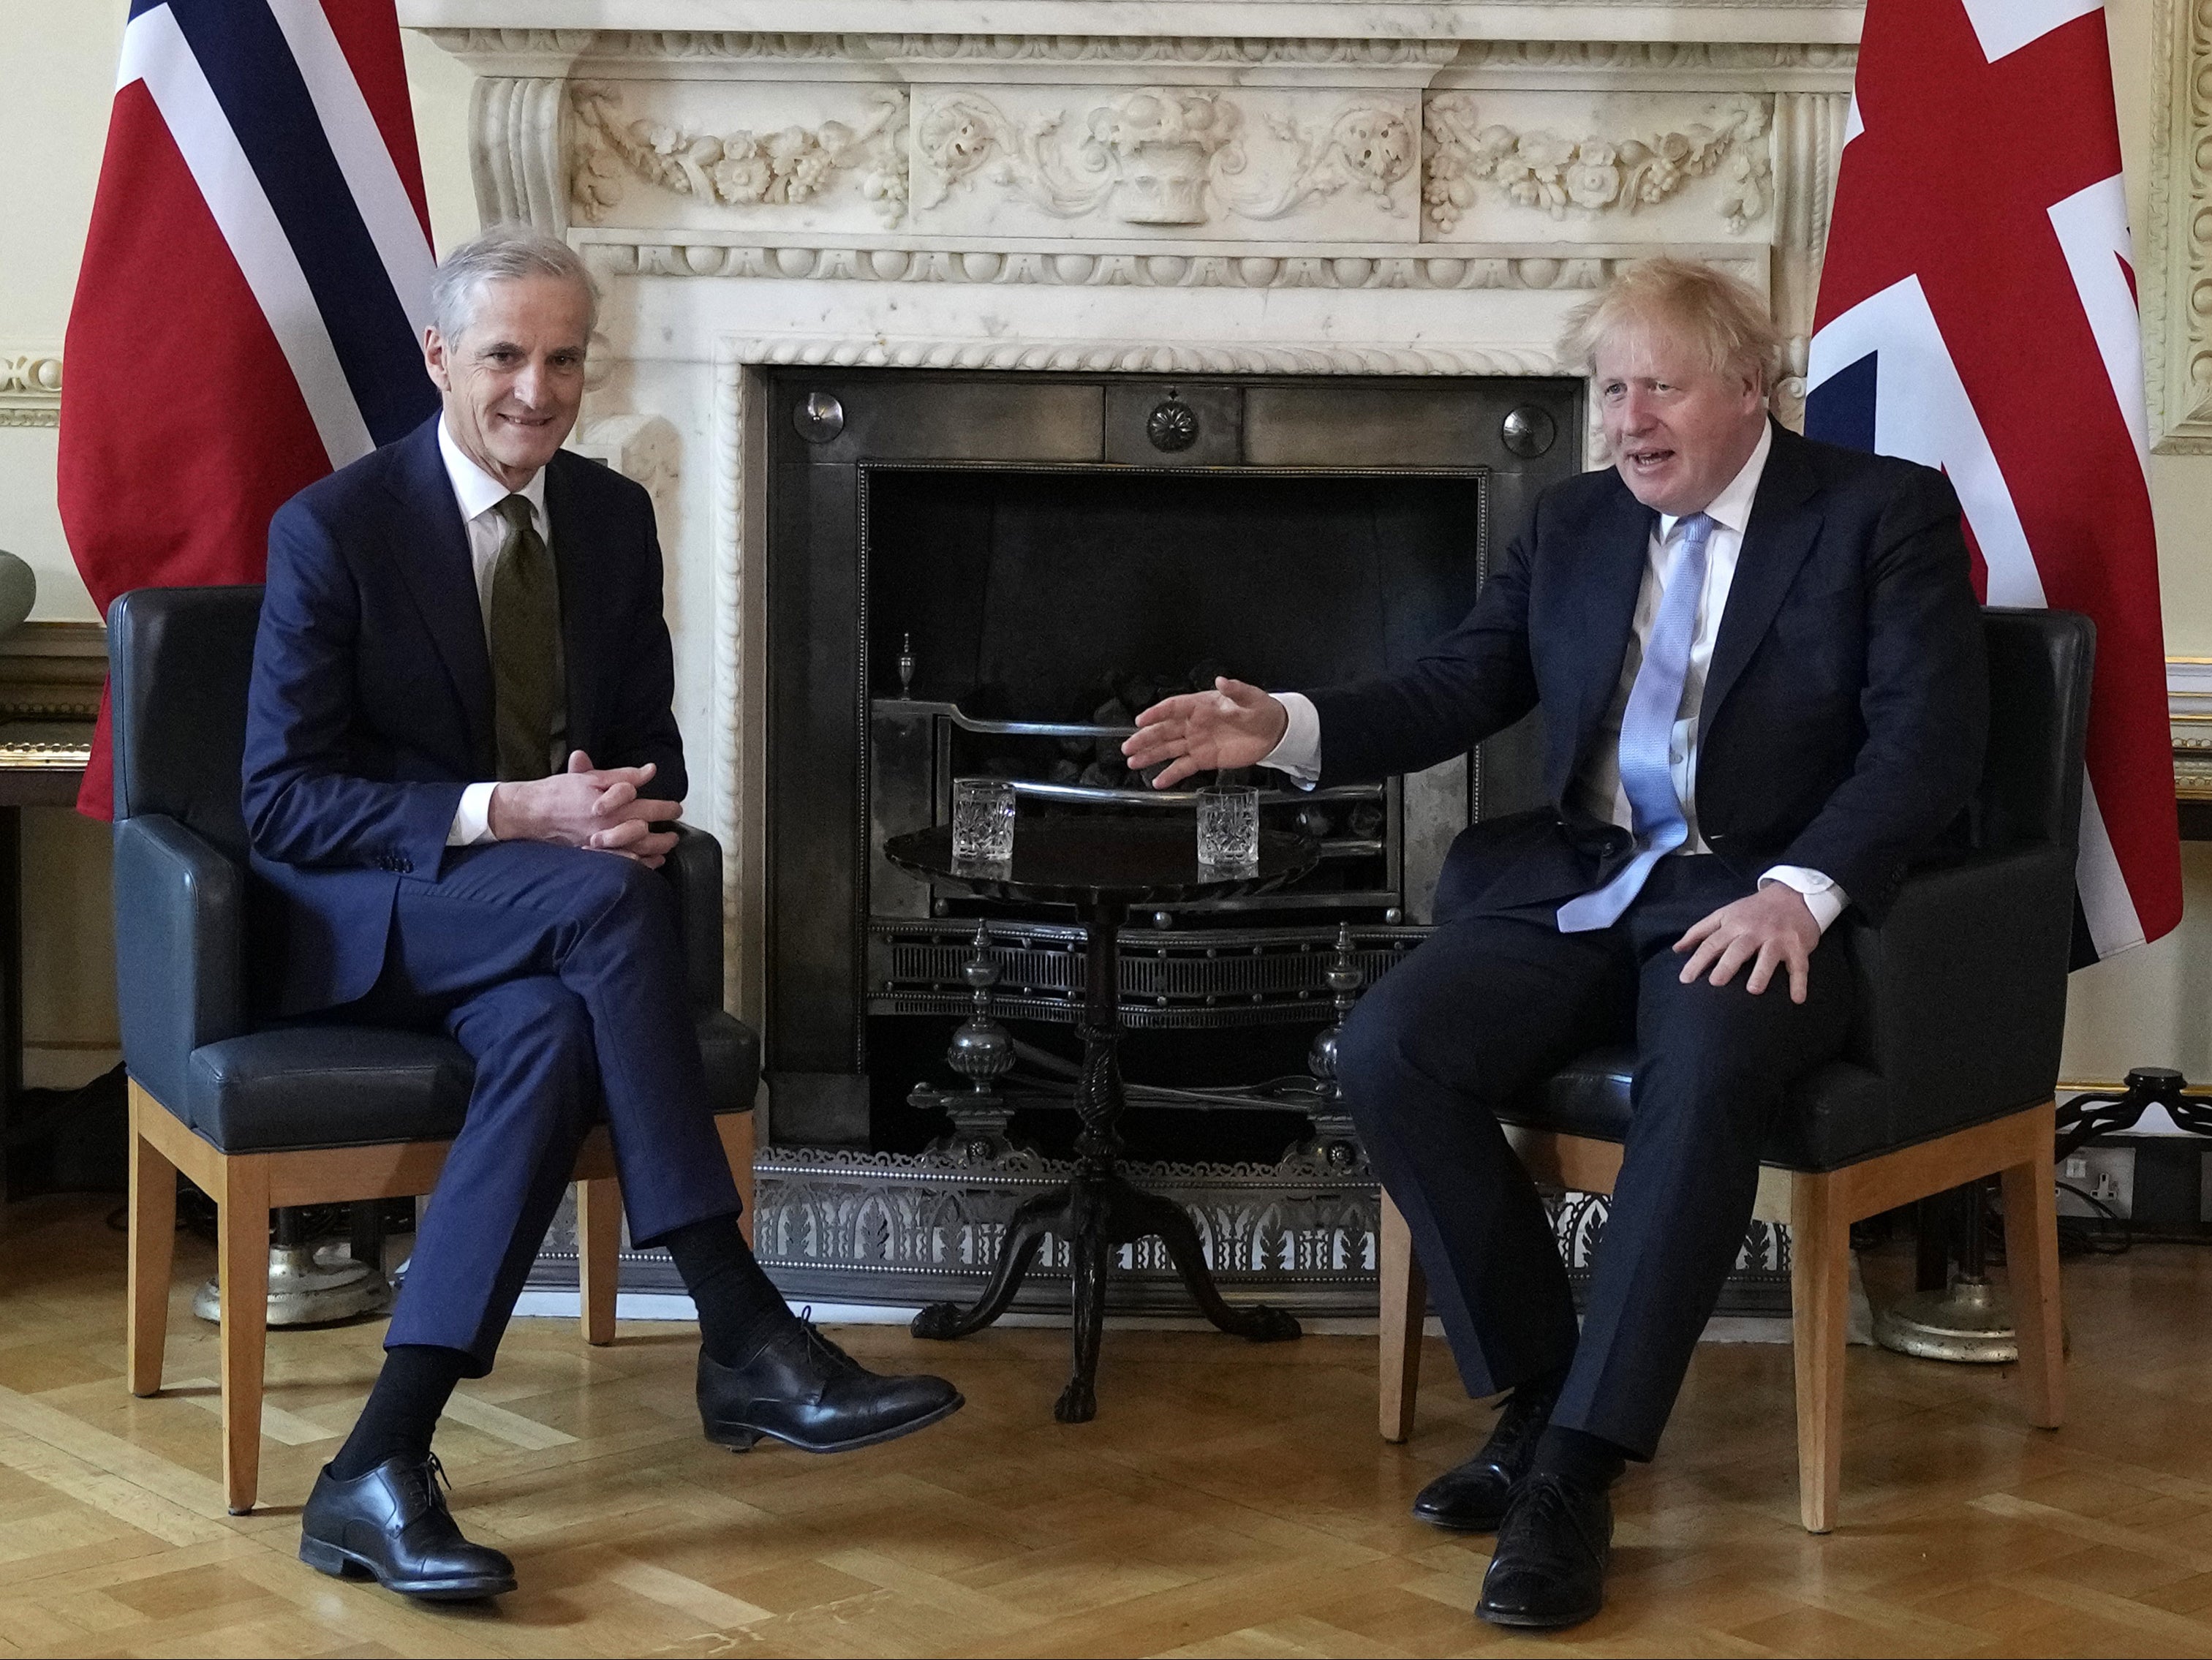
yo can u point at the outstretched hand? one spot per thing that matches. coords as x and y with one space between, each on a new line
1235 725
588 806
1770 929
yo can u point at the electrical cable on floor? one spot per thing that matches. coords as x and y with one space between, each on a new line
2107 1233
2085 1237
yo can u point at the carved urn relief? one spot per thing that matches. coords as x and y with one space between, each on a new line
1161 147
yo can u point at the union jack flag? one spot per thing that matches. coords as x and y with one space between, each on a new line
255 281
1981 319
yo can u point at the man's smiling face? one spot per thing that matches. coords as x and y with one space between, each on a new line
514 378
1678 430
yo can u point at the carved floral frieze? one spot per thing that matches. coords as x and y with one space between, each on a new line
1596 173
30 387
738 169
1161 156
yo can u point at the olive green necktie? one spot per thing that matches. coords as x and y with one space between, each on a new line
525 628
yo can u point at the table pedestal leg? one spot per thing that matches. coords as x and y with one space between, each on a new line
1100 1210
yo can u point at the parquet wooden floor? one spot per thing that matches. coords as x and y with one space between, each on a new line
1229 1501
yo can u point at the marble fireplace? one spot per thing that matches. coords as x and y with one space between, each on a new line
1232 192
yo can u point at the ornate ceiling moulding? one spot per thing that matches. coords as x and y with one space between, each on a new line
30 387
1128 269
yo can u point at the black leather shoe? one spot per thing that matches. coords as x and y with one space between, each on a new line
393 1525
801 1387
1472 1498
1549 1566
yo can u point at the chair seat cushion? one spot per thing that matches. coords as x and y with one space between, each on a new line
331 1086
1834 1115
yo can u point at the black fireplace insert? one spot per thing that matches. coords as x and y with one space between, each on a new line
991 573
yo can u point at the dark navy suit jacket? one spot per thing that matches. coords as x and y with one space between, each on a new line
1845 712
371 707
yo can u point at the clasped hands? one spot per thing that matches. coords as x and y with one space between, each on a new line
587 806
1237 725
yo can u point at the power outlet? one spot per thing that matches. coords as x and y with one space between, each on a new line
2108 1174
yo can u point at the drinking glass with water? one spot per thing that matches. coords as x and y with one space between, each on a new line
1228 829
983 820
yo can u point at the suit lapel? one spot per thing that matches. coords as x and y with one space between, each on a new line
1784 524
1619 547
579 656
441 577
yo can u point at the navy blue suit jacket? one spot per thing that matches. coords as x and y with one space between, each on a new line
371 707
1845 713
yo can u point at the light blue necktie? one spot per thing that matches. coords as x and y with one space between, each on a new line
1647 738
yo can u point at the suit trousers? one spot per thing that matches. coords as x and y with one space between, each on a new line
560 972
1477 1016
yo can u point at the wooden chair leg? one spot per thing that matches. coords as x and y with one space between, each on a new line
2031 1223
1404 1302
152 1249
1820 1301
242 1270
736 1130
598 1266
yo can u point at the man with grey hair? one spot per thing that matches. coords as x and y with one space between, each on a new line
1760 664
461 771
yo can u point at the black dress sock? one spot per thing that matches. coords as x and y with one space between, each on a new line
403 1409
739 1305
1542 1390
1588 1461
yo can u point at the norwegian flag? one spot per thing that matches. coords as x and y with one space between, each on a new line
1981 317
254 283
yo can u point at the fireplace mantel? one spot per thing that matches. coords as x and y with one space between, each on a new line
1179 187
1832 21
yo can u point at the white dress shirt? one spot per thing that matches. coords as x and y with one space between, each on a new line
479 495
1598 787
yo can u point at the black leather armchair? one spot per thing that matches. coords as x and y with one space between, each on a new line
262 1115
1948 1076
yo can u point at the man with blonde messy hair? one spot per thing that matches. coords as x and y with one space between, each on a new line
1760 664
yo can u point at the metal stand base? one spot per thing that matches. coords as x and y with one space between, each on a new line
1100 1209
1097 1211
305 1289
1970 1322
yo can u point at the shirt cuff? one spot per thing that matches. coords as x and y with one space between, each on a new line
1822 895
472 818
1298 757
